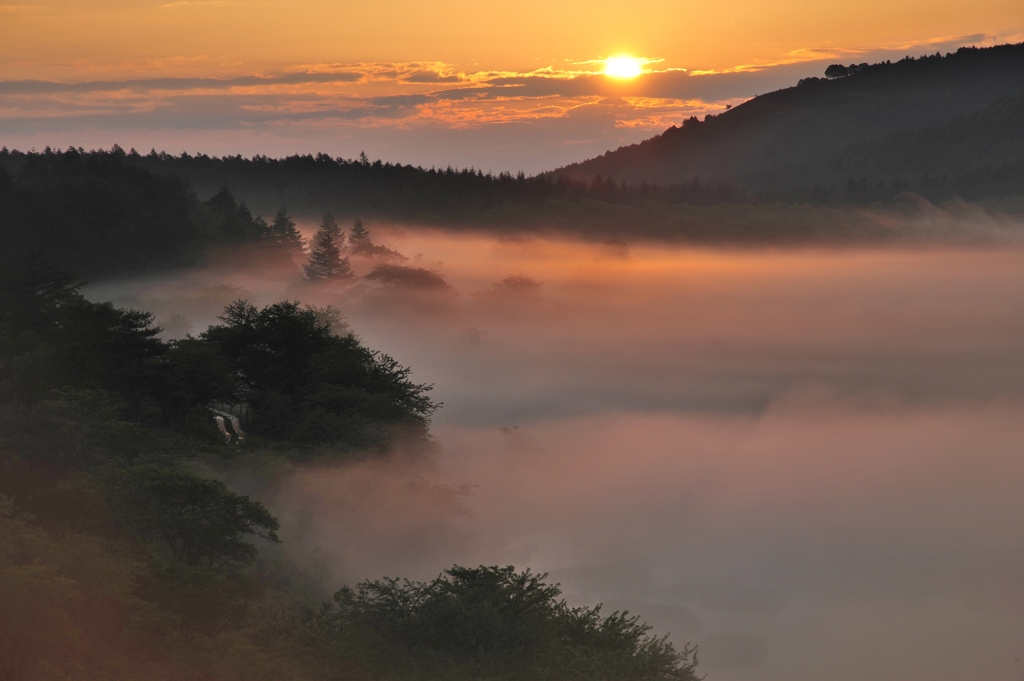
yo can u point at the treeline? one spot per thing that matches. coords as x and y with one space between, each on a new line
361 187
308 184
119 560
103 214
97 215
112 213
967 59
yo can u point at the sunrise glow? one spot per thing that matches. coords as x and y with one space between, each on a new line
623 67
707 310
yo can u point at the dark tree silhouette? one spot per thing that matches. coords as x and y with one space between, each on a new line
836 71
284 234
326 262
197 521
235 220
304 382
408 277
360 244
495 622
359 238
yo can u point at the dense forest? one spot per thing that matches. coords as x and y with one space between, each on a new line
942 126
103 214
123 555
309 183
94 214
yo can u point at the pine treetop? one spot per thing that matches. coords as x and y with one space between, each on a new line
284 233
325 255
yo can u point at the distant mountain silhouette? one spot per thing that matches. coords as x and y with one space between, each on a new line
952 115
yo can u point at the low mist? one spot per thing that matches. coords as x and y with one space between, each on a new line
808 462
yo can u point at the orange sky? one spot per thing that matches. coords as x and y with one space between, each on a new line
414 73
58 38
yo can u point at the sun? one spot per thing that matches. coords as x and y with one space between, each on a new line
623 67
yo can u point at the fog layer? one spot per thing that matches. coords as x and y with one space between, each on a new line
807 462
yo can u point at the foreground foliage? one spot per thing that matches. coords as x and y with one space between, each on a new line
302 381
491 623
123 557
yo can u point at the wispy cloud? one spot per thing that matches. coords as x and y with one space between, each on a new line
819 53
418 91
434 91
566 106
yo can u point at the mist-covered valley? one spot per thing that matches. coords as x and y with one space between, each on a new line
804 460
533 343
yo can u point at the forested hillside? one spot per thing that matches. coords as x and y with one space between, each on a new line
103 214
124 556
881 122
988 142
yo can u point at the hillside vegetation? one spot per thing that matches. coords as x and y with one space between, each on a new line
123 555
881 122
103 214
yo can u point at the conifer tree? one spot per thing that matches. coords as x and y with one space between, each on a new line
359 239
284 234
261 229
325 254
360 244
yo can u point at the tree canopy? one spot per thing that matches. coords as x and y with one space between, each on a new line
300 378
304 382
196 521
495 622
360 244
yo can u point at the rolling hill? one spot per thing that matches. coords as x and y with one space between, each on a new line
951 115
